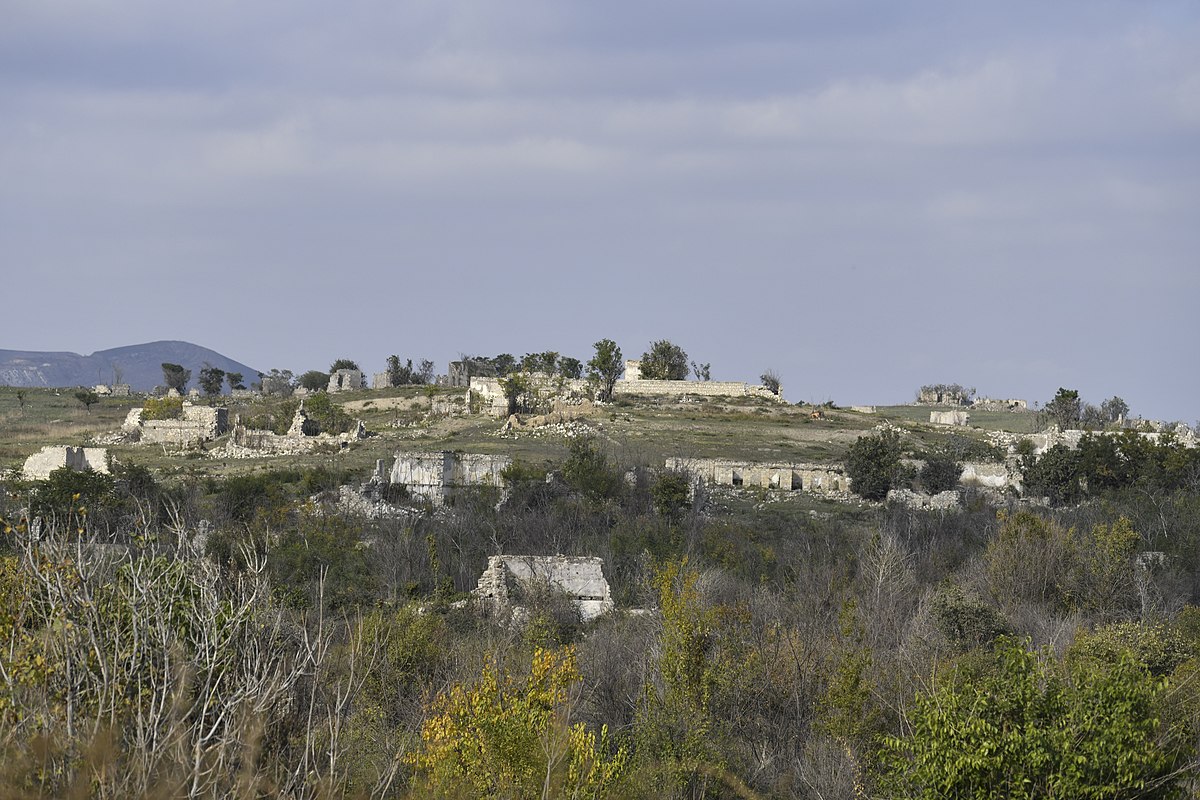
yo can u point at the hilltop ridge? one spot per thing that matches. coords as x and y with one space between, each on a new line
138 365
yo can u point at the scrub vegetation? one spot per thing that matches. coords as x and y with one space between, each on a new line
186 627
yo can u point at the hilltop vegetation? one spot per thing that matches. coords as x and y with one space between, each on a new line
197 624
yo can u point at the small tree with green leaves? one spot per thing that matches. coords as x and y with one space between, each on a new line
605 367
88 398
343 363
234 379
176 377
873 464
516 388
664 361
1029 727
570 367
1066 409
314 380
940 473
211 379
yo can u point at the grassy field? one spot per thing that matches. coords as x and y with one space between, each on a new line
638 429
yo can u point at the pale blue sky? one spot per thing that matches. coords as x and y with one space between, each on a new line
863 196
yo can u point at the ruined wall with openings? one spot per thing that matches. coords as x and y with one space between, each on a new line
39 465
819 478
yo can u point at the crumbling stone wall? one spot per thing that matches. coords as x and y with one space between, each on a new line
346 380
460 373
488 394
39 465
303 436
633 383
942 501
819 478
580 577
1070 438
198 424
435 476
993 404
989 476
949 417
702 388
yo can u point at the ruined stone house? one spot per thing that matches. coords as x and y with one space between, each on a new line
579 577
437 476
818 478
196 424
346 380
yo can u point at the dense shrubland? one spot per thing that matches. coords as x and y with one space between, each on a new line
235 638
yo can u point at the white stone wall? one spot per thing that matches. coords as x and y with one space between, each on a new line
703 388
346 380
580 577
199 424
39 465
820 478
988 476
436 475
949 417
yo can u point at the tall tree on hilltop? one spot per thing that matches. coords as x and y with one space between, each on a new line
605 367
665 361
176 377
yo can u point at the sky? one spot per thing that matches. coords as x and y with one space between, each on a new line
862 196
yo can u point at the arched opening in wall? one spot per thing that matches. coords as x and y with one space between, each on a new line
737 477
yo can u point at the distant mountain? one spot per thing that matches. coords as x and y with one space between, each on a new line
140 365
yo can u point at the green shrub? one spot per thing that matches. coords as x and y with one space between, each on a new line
163 408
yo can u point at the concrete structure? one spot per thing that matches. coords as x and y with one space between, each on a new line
580 577
39 465
949 417
819 478
381 380
436 476
346 380
197 424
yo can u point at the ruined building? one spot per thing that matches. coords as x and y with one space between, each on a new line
197 424
346 380
820 478
579 577
39 465
436 476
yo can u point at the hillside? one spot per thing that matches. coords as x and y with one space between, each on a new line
139 365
